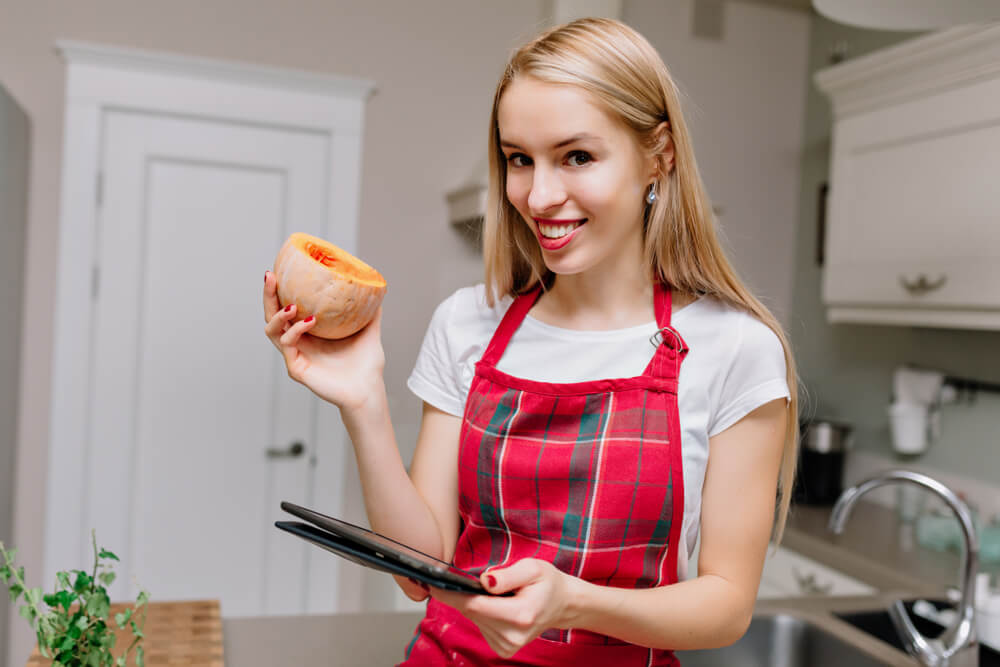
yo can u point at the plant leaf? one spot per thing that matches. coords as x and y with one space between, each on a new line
140 657
135 630
107 554
15 591
82 582
63 579
107 578
26 612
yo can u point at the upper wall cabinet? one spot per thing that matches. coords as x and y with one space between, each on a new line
913 217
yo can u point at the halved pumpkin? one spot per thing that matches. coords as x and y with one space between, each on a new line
340 290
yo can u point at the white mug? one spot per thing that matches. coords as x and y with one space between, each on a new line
908 425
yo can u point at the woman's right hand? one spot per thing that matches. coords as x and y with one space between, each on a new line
345 372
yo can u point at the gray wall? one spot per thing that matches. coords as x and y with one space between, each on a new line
847 369
14 133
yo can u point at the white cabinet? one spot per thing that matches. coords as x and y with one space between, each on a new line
913 216
790 574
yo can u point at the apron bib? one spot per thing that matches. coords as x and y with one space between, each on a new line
584 475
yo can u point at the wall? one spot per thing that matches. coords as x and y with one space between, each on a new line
847 369
745 101
14 134
435 64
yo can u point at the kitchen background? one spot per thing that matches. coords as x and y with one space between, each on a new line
761 133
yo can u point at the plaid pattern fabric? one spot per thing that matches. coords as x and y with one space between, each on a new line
585 475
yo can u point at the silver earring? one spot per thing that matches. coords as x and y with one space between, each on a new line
651 195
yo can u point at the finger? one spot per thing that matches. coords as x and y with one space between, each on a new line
270 296
373 328
413 589
291 337
518 575
458 601
497 642
276 325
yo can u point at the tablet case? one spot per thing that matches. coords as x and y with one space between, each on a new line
376 551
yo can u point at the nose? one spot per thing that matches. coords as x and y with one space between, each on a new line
547 190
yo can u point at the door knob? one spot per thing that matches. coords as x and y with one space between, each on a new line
294 450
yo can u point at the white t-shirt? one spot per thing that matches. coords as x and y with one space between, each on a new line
735 364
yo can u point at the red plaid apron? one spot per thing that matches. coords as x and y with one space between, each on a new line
585 475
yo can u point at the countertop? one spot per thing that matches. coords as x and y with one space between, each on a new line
872 549
876 549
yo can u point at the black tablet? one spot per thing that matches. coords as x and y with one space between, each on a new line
371 549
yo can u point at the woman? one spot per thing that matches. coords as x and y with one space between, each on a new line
612 391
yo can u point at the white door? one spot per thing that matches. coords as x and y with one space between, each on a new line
187 395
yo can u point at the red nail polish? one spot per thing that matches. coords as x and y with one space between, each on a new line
492 581
309 319
288 308
265 276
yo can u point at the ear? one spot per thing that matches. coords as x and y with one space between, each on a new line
665 157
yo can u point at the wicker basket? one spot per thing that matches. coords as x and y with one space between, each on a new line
187 634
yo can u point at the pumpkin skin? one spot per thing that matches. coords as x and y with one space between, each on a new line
322 280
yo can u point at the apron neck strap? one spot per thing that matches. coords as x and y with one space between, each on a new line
670 350
512 319
662 304
670 347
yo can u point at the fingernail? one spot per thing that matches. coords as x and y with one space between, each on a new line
265 276
492 581
288 308
309 319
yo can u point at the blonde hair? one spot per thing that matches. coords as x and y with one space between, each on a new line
626 76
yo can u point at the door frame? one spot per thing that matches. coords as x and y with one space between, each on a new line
100 78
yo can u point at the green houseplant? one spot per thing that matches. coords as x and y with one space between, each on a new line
75 629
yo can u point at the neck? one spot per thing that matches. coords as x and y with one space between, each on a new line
600 299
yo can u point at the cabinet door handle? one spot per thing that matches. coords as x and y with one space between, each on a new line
294 450
921 285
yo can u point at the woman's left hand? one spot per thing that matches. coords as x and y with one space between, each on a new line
508 623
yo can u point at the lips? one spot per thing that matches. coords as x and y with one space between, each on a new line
554 234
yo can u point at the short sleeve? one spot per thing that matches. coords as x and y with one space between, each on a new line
756 375
436 374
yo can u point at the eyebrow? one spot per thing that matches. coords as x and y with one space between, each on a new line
565 142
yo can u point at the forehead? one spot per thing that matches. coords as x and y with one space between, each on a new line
536 112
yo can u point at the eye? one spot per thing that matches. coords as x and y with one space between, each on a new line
518 160
578 158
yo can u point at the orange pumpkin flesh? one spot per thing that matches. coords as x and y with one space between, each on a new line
322 280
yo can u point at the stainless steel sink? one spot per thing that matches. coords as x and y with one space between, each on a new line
878 624
782 640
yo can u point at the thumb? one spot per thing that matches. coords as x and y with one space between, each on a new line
374 327
518 575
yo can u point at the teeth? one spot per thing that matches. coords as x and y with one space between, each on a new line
557 231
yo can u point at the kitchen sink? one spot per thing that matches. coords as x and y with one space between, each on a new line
879 625
781 640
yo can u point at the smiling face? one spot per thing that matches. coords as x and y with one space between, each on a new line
575 174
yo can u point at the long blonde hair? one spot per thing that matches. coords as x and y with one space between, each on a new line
627 77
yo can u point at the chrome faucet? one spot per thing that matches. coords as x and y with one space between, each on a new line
957 646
